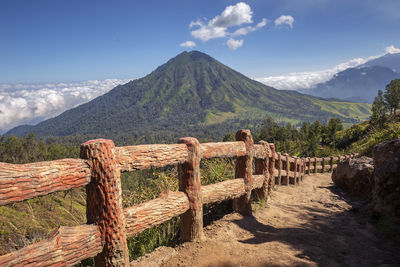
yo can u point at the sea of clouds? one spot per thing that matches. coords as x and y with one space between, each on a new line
32 103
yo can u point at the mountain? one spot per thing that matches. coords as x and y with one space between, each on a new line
362 83
391 61
191 94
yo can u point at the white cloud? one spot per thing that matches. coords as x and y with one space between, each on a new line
188 44
233 16
234 44
307 80
218 27
206 32
31 103
392 50
285 19
248 29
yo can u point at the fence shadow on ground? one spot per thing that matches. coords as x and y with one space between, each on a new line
342 238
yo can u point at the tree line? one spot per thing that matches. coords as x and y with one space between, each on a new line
29 149
308 140
386 102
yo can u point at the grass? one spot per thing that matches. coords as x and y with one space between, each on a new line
365 145
34 219
360 111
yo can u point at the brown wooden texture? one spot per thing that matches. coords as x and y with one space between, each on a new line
189 182
218 192
244 170
279 179
104 202
258 181
154 212
331 163
315 165
65 247
222 150
287 169
261 168
141 157
259 151
295 169
309 165
301 169
272 161
23 181
284 173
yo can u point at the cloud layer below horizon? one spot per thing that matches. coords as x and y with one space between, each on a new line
307 80
32 103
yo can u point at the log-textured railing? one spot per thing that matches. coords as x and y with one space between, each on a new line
108 224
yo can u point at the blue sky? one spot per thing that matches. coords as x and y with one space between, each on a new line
56 54
67 40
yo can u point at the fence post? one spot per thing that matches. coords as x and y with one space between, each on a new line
262 167
189 182
272 163
279 169
309 165
287 169
244 170
315 165
331 170
104 202
295 170
323 164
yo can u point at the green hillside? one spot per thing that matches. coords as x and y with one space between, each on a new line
192 94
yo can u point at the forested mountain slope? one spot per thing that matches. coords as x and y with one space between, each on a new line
192 94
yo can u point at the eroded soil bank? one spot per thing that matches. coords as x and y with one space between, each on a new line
314 224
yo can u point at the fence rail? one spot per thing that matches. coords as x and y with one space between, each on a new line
108 225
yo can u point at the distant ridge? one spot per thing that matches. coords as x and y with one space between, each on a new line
360 84
193 94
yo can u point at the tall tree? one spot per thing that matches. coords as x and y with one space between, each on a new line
379 109
392 95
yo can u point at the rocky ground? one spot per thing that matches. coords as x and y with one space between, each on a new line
314 224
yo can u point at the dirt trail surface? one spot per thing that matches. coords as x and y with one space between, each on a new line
313 224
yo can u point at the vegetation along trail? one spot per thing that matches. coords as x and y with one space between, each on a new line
312 224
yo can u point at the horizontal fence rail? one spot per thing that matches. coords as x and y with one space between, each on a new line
108 225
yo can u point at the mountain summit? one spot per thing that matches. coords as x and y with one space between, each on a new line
191 93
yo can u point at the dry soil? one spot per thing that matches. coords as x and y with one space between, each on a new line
312 224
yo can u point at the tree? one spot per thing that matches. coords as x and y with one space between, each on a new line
392 95
379 109
329 131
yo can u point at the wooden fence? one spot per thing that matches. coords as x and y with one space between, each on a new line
108 224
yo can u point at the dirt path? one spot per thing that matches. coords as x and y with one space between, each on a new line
313 224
